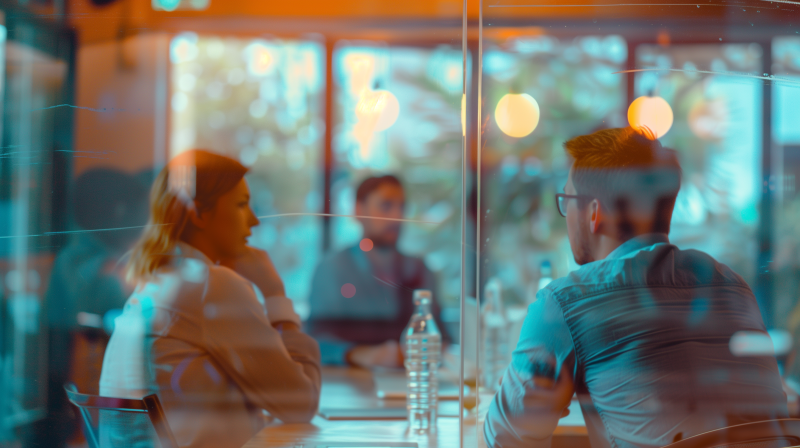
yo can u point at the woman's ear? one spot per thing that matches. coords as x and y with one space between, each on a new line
197 217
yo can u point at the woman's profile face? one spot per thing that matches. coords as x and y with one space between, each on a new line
228 223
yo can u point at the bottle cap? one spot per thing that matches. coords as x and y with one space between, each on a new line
422 296
493 294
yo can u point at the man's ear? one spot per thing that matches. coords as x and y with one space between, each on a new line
596 216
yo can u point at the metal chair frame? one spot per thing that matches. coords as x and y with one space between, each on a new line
747 433
149 405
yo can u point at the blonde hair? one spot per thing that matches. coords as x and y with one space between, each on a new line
193 180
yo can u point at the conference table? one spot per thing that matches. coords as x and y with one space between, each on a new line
352 388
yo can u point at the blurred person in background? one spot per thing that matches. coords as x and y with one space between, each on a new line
87 285
642 332
361 297
216 348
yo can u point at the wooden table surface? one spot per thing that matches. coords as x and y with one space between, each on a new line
354 388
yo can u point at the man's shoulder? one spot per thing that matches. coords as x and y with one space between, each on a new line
662 265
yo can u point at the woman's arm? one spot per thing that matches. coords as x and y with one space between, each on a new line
256 266
277 370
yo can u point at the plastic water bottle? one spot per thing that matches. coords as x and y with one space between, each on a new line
495 331
422 345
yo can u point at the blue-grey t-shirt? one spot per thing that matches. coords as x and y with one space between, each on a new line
378 304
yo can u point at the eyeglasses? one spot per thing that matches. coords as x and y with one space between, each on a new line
561 201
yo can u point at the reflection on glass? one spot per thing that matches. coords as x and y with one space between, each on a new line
422 146
784 186
717 132
34 79
572 84
361 296
208 327
590 71
260 101
353 119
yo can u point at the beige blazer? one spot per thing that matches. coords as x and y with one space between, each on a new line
201 336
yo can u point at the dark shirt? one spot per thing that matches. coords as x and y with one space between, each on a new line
384 281
645 336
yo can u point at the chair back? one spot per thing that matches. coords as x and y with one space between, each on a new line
149 405
779 433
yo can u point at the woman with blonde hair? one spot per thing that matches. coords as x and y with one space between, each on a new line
208 328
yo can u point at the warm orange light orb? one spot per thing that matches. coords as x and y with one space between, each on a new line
261 59
379 107
389 110
651 111
517 114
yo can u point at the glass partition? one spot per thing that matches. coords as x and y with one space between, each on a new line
717 132
422 147
521 228
260 101
422 223
713 84
36 147
232 207
783 185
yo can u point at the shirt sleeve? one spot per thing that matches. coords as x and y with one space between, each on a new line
278 308
277 371
538 385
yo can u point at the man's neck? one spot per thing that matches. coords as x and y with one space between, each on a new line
607 244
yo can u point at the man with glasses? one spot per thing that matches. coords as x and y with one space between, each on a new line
642 331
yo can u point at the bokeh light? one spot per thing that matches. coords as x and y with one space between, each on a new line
260 59
517 114
183 48
166 5
362 70
756 343
348 290
708 119
652 112
366 245
380 107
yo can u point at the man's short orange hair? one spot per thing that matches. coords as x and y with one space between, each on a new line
626 169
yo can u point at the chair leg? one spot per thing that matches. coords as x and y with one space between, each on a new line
159 420
91 437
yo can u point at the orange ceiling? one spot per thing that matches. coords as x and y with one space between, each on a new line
340 17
